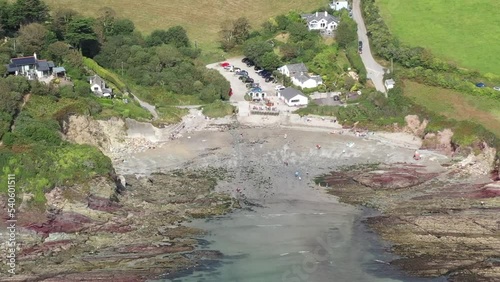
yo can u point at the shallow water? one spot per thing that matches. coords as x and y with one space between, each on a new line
295 241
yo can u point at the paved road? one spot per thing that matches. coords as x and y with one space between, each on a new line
375 71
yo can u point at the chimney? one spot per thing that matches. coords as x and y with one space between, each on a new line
316 14
34 55
326 13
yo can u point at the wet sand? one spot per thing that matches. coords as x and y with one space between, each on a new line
296 215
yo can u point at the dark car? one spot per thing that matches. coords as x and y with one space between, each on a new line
245 60
242 72
248 80
269 79
252 85
243 77
250 63
257 68
264 72
266 75
360 47
480 84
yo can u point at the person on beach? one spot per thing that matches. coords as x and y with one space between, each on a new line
416 156
296 174
318 146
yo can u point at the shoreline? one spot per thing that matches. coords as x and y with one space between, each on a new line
252 157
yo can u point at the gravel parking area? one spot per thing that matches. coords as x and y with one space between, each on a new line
239 88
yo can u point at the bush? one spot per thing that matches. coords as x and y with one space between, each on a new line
218 109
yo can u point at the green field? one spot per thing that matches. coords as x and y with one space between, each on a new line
464 31
202 19
456 105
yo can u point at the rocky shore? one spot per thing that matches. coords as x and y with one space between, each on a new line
441 223
104 231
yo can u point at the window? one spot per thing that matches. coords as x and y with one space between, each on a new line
323 24
294 101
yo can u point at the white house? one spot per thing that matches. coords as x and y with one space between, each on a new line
338 5
98 86
321 21
389 84
30 67
293 97
299 75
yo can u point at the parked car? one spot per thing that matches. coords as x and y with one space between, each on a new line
497 88
242 72
269 79
480 84
230 92
250 63
266 75
252 85
264 72
248 80
234 69
257 68
256 89
279 87
225 64
242 77
360 47
245 60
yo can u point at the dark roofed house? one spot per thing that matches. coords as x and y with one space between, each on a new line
30 67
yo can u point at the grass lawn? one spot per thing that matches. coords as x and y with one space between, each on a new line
464 31
202 19
456 105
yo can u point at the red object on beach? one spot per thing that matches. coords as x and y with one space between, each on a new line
318 146
225 64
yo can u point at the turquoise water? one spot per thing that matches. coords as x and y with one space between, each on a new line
295 241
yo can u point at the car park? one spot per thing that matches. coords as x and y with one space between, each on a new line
480 84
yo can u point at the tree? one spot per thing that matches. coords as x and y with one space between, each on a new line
79 31
60 21
57 51
298 32
269 61
29 11
123 26
32 38
254 49
346 32
234 33
177 36
241 30
157 37
104 24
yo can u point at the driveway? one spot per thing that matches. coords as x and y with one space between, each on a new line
374 70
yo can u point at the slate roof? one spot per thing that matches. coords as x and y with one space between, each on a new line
319 16
296 68
289 93
97 80
51 64
42 66
23 61
12 68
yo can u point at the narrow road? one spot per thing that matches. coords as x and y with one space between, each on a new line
147 106
375 71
